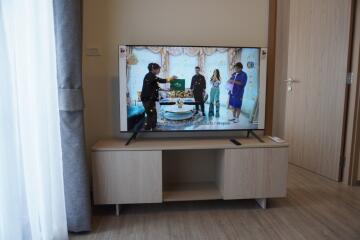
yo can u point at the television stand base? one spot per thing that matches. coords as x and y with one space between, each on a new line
255 135
133 137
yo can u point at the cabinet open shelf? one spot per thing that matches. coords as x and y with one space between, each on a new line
191 175
191 192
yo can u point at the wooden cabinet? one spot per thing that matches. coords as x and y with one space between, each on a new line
181 170
121 177
255 173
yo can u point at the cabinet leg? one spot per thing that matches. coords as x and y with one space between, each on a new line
118 208
261 202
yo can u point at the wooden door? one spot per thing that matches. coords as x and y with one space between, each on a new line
319 33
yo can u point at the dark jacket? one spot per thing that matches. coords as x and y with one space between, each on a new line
150 89
198 85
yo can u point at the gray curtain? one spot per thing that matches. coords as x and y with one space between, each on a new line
68 38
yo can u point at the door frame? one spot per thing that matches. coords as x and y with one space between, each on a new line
353 178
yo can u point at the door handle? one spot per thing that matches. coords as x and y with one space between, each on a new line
290 82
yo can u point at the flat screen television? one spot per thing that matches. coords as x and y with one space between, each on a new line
232 98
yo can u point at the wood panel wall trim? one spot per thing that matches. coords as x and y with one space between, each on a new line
270 83
355 145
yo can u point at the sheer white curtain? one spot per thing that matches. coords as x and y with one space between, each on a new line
32 204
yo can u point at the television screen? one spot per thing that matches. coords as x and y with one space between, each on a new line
178 88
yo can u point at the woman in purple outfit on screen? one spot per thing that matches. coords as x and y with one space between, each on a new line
238 81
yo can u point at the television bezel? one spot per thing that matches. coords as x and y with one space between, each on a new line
122 78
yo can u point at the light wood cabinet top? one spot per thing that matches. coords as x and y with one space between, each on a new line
182 144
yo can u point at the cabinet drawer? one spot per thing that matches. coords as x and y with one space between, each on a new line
121 177
255 173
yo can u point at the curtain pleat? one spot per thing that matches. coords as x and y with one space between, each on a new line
68 36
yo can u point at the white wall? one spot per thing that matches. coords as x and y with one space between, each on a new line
108 23
191 22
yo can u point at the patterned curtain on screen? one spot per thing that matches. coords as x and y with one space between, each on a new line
200 52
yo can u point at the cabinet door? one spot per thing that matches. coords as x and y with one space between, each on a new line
255 173
121 177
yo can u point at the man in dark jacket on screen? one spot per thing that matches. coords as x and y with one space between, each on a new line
150 94
198 86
